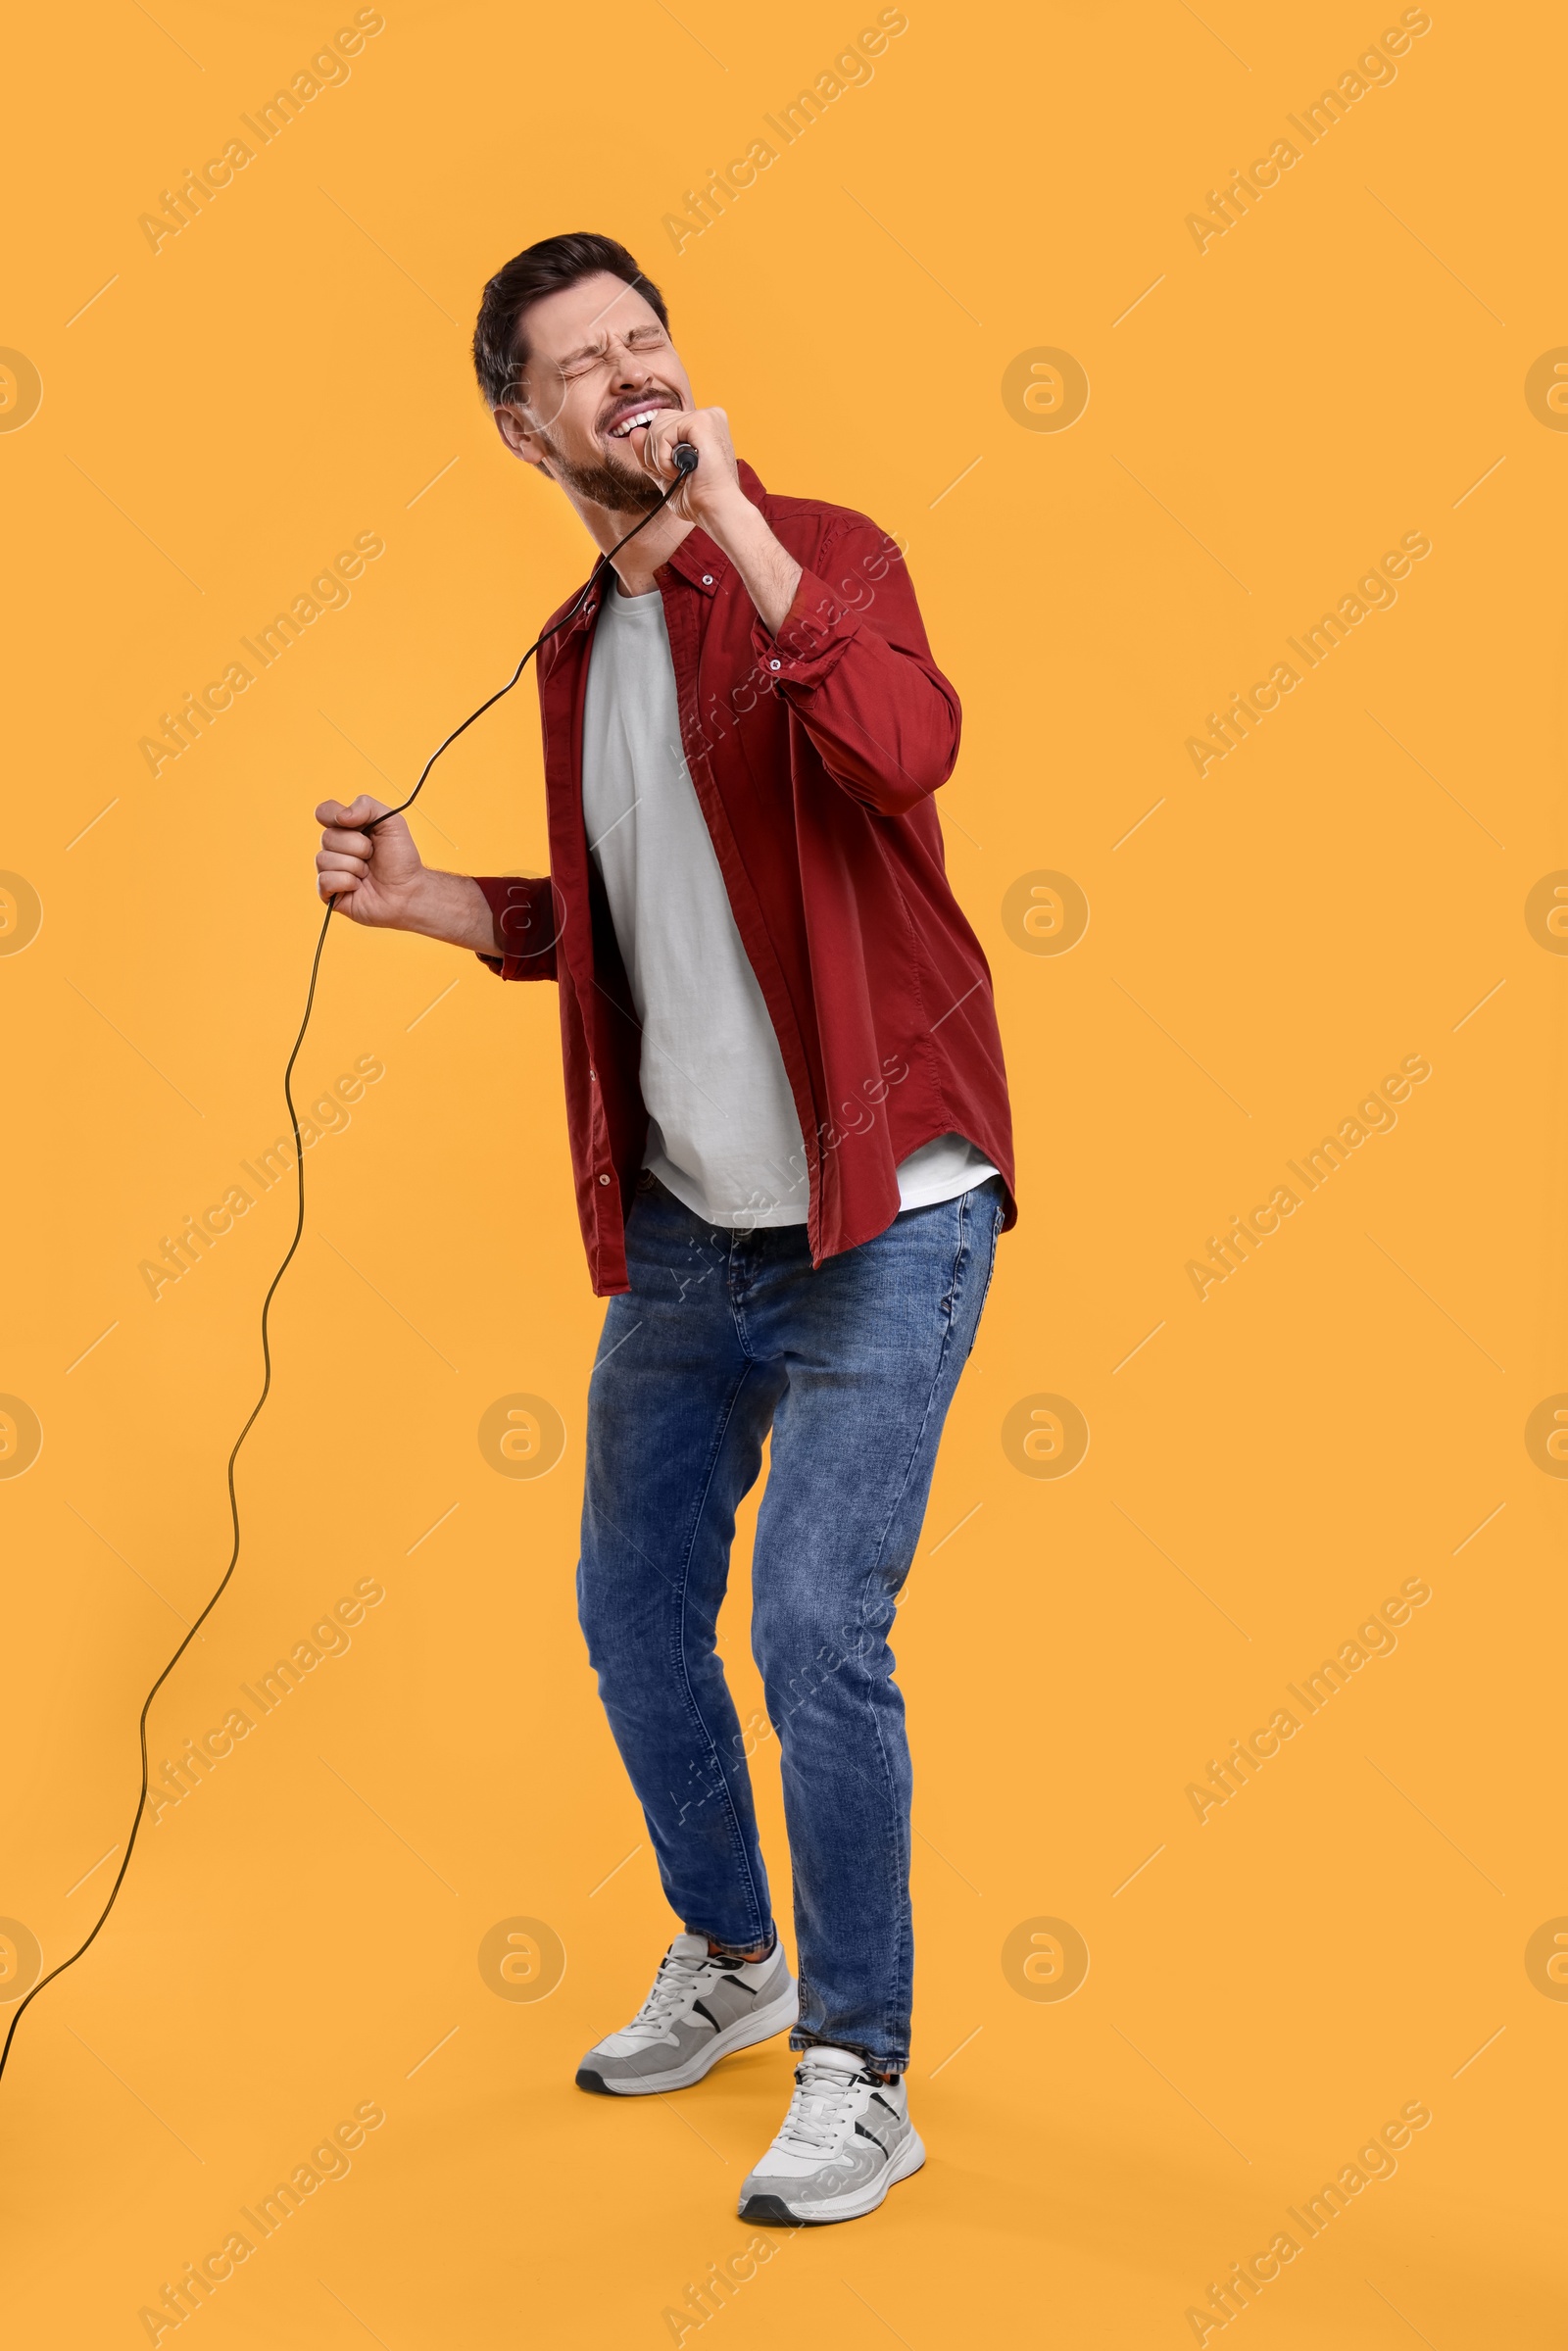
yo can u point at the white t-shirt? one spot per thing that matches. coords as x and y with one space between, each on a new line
723 1135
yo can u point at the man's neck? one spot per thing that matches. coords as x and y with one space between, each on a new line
651 547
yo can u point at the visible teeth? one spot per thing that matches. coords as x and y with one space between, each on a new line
628 424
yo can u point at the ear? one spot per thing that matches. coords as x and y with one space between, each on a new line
519 435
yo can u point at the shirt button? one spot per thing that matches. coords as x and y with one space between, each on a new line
708 579
594 1076
773 664
604 1179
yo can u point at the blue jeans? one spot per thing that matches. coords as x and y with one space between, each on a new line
722 1336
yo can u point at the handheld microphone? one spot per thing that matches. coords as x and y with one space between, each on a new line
685 457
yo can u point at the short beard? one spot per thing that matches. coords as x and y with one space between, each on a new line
605 484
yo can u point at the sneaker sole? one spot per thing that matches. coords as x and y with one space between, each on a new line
746 2032
771 2207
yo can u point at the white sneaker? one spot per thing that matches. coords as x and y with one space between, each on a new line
699 2011
846 2139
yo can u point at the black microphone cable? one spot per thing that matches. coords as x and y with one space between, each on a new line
685 458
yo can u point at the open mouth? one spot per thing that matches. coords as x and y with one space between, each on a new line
635 419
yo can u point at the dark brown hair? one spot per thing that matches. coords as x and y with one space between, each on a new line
499 347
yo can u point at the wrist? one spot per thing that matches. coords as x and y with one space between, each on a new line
417 904
726 520
448 906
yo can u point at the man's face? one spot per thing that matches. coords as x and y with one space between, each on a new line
598 358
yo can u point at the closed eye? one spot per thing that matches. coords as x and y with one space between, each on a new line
583 362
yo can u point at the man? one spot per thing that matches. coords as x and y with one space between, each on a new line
789 1127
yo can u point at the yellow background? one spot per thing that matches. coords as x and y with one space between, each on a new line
1340 368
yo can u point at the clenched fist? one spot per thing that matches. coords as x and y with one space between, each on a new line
379 878
373 877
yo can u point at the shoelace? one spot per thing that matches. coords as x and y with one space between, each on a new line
674 1987
819 2109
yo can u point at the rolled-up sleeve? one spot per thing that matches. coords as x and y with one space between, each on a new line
523 906
852 661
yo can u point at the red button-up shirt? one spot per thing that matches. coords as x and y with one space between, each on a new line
813 754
